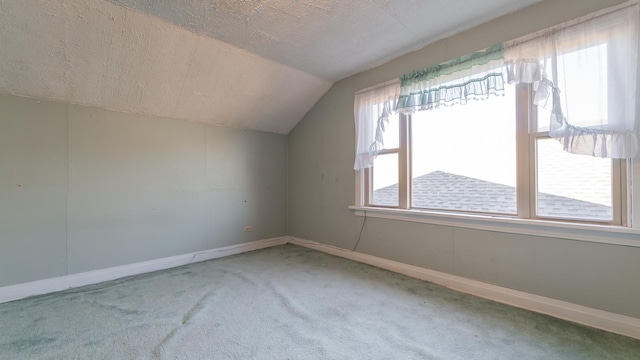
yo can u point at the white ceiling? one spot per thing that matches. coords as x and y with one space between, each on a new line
253 64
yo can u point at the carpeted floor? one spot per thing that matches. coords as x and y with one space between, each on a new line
287 302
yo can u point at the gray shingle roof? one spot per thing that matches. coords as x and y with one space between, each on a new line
446 191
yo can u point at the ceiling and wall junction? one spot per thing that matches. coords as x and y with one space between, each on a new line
252 64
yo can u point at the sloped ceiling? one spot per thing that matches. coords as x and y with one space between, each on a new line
253 64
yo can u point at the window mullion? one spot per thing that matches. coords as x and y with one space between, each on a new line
368 178
619 195
633 192
525 174
403 165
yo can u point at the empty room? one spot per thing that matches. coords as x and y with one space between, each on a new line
319 179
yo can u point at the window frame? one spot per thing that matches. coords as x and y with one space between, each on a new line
527 125
526 177
403 169
370 177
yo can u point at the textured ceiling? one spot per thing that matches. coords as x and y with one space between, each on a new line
253 64
331 39
97 53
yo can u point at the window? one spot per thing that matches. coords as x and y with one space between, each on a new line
557 146
485 160
475 170
385 178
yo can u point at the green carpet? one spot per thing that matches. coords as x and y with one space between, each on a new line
287 302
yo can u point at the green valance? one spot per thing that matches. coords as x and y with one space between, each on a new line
474 76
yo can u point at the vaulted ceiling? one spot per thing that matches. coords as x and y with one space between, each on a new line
253 64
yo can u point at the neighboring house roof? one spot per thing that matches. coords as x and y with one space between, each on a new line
446 191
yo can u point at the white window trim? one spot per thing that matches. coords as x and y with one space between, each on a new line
527 187
556 228
623 230
606 234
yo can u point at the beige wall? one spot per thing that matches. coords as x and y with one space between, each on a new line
84 188
321 187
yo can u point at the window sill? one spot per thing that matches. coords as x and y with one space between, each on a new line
606 234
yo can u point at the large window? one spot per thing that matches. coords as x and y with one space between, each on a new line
542 127
493 157
475 169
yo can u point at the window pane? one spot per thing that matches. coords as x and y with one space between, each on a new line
572 186
464 156
392 133
544 119
385 180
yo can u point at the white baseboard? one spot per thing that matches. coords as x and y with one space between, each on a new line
39 287
616 323
604 320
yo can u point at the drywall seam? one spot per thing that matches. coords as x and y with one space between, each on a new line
66 195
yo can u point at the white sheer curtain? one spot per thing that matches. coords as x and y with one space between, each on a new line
372 108
585 73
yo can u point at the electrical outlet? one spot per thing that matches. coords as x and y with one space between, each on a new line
248 228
